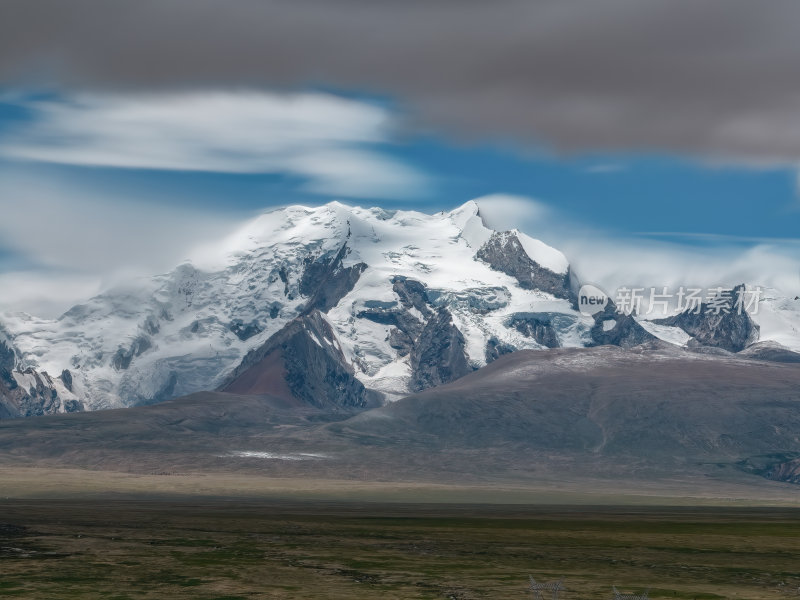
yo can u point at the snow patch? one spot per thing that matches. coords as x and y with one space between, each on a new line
673 335
276 456
546 256
779 319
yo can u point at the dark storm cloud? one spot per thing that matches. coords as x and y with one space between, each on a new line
714 77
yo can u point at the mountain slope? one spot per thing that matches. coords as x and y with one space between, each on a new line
649 409
302 362
625 416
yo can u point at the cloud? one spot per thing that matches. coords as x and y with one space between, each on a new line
506 211
612 260
75 241
717 78
614 263
357 174
45 294
319 137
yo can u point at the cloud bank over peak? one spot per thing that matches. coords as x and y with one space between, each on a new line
85 245
612 261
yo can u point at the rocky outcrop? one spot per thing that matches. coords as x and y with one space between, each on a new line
29 393
612 328
123 357
412 294
423 332
302 361
34 398
477 301
325 280
284 277
496 348
7 363
720 324
788 472
406 328
538 326
438 354
244 331
778 466
66 378
503 252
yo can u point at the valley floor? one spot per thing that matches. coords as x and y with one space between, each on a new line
165 536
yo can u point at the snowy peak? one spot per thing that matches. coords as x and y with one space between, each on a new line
542 254
188 329
532 263
465 213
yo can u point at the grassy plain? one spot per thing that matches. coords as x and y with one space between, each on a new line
200 547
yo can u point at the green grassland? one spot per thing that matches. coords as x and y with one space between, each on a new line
310 549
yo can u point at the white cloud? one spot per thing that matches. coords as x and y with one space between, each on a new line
46 294
82 239
321 137
58 224
356 174
612 261
508 211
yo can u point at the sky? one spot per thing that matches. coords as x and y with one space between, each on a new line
655 143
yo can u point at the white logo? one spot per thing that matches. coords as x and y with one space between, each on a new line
591 299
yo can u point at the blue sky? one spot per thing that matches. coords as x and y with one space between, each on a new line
114 169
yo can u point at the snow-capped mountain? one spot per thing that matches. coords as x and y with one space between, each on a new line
384 303
186 330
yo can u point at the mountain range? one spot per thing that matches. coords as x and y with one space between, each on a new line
339 306
337 341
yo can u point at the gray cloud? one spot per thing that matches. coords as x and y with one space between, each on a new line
718 78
